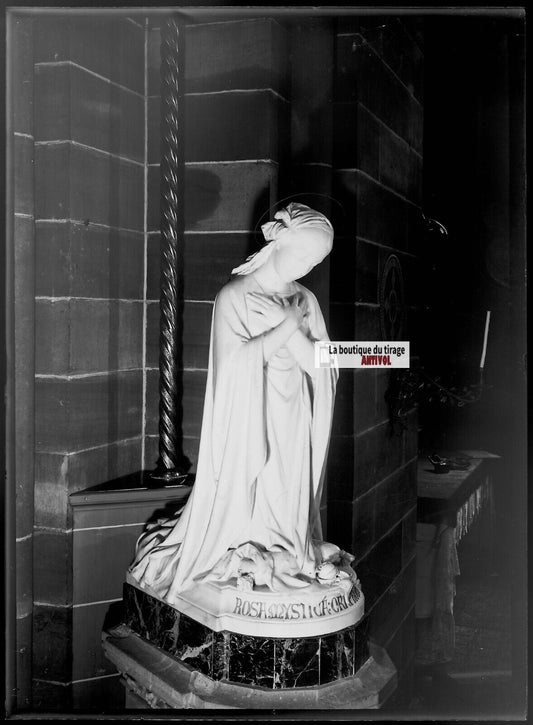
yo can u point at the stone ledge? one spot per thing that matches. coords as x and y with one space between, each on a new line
163 683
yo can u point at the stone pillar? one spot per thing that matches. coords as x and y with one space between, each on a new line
377 157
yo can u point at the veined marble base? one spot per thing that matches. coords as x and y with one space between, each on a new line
309 612
155 680
268 662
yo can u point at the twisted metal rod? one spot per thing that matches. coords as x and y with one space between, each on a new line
171 461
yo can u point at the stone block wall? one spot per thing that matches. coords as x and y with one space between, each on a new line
377 159
89 182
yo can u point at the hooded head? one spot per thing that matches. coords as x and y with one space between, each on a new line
300 238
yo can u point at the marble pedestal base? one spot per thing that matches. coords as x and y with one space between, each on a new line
263 661
155 680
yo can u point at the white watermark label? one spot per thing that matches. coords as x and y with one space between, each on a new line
361 354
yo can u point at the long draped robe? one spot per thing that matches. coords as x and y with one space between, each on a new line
264 439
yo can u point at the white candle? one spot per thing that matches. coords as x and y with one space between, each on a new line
482 363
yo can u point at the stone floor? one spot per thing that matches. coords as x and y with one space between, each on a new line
482 625
478 684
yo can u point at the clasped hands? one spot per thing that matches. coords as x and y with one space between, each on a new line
277 309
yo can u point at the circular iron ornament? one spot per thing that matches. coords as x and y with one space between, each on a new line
170 460
391 300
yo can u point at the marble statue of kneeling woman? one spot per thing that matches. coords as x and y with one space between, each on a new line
253 515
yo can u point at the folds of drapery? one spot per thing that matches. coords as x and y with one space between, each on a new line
233 449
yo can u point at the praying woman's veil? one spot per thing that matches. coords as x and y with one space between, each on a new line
295 217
